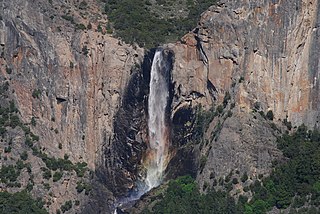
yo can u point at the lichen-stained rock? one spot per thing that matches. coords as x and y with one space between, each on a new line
264 53
266 50
67 74
80 76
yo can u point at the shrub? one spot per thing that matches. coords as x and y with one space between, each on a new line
8 70
80 26
235 181
24 155
220 109
68 18
85 50
33 121
46 173
9 174
57 176
203 161
269 115
83 5
66 206
20 202
226 99
244 177
36 93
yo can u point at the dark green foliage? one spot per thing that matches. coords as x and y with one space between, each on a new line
287 124
262 114
68 18
85 50
9 173
14 121
235 181
80 26
66 206
183 196
203 161
80 168
8 70
34 137
294 182
134 21
269 115
99 28
109 29
202 122
7 149
241 79
220 109
29 141
24 155
83 5
83 186
226 99
299 175
54 164
244 177
20 202
57 176
46 173
33 121
36 93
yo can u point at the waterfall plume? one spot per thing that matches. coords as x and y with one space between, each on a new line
157 153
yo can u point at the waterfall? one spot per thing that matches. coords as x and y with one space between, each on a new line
156 157
158 133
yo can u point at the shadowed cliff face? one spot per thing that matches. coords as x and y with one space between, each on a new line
124 166
124 155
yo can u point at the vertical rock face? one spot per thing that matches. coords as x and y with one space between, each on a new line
68 75
80 75
266 49
264 54
89 98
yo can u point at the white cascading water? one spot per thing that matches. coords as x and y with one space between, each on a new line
157 153
158 132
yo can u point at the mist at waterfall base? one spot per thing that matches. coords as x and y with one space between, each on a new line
156 158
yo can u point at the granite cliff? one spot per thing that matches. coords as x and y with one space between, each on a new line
87 92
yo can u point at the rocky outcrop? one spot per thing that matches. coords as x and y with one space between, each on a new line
67 74
263 55
266 50
88 95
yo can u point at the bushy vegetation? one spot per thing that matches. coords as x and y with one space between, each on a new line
82 186
298 177
294 182
136 23
202 122
20 202
183 196
66 206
